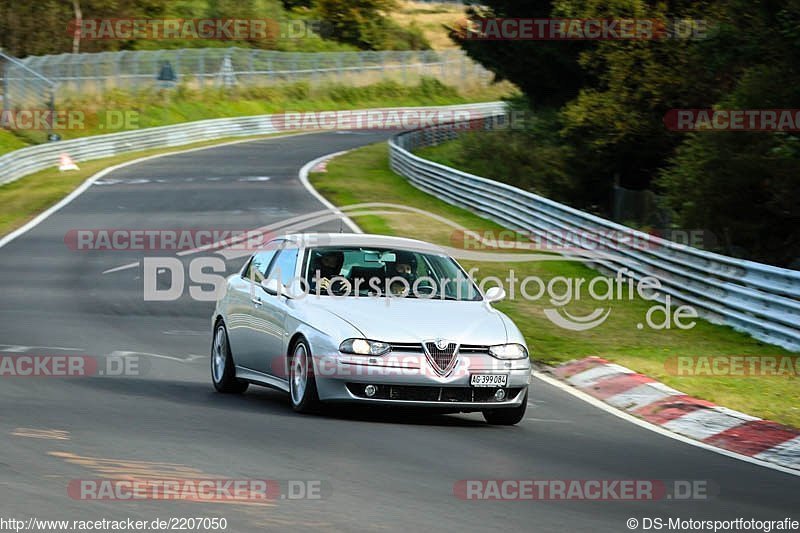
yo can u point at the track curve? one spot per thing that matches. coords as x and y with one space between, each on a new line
385 470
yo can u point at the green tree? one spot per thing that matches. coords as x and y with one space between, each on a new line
547 72
613 96
366 25
745 187
44 26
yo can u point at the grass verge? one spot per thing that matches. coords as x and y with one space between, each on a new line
10 142
364 176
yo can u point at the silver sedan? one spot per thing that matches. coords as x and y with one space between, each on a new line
368 319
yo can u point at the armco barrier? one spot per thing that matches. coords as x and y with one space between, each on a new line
759 299
19 163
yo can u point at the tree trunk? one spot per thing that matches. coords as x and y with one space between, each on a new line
76 37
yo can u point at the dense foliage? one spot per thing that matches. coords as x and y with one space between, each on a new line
610 99
366 24
43 26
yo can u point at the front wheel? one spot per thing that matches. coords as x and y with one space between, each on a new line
223 373
302 385
508 416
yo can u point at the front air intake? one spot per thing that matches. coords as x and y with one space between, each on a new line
441 355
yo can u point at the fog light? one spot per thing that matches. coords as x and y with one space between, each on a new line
500 395
370 390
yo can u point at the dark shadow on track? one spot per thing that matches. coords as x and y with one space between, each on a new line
270 402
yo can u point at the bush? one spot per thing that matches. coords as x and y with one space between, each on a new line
434 88
742 187
532 157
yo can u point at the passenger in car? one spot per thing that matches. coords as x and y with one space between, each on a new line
404 267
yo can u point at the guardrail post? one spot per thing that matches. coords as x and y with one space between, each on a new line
135 69
251 65
98 78
6 96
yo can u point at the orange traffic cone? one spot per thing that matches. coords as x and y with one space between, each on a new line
66 163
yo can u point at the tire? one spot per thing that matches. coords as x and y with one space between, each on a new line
508 416
302 384
223 371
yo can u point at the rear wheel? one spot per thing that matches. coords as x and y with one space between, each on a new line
508 416
223 373
302 385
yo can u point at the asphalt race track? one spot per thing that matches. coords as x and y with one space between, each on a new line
381 470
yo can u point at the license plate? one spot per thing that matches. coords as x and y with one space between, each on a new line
488 380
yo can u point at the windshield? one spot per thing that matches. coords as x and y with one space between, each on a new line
382 272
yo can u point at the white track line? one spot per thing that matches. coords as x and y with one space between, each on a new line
657 429
303 175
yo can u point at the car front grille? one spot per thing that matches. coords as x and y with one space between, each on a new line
442 359
416 347
472 349
444 395
406 347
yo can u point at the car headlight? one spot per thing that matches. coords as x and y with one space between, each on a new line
364 347
508 351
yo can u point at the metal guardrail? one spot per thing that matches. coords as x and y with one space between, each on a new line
761 300
19 163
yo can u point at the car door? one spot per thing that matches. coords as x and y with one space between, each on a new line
244 331
270 312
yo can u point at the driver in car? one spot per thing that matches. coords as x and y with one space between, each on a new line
326 267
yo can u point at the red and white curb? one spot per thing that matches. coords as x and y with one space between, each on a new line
677 412
322 166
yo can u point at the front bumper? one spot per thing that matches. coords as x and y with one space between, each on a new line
410 380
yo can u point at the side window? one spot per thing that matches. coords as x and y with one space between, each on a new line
257 270
284 266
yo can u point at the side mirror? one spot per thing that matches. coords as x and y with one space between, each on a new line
272 286
495 294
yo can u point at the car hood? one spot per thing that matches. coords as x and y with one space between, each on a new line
402 320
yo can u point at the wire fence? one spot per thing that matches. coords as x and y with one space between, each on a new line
24 87
208 67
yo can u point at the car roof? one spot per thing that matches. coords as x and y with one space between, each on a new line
313 240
